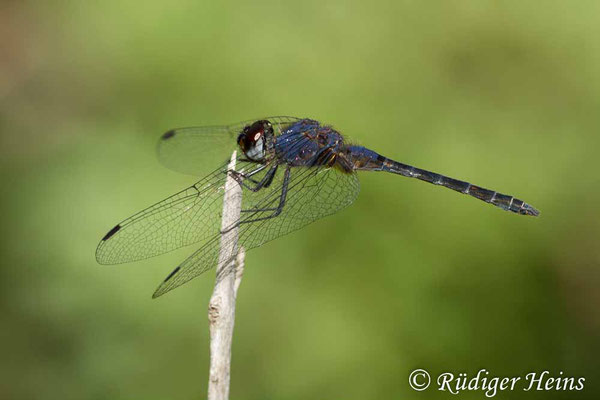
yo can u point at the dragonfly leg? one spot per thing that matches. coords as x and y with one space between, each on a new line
242 176
264 182
276 211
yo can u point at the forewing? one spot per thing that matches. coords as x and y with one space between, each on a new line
182 219
313 193
196 150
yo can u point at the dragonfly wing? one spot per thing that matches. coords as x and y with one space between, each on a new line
182 219
192 150
313 193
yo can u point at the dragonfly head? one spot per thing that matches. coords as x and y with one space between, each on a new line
253 139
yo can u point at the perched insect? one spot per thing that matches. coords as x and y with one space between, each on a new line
293 171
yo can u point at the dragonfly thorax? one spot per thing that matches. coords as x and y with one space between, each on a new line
255 139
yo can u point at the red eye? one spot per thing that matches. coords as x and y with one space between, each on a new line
254 131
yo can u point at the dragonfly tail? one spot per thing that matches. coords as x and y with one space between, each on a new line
368 160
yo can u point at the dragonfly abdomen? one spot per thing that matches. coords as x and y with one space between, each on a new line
368 160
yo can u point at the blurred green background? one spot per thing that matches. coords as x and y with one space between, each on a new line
503 94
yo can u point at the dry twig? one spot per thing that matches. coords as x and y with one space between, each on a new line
221 309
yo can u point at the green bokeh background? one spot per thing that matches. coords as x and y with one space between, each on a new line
503 94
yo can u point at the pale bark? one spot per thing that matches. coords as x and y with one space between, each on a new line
221 309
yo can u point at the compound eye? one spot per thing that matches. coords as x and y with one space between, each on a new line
241 137
255 131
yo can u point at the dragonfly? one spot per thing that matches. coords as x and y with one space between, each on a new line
293 171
